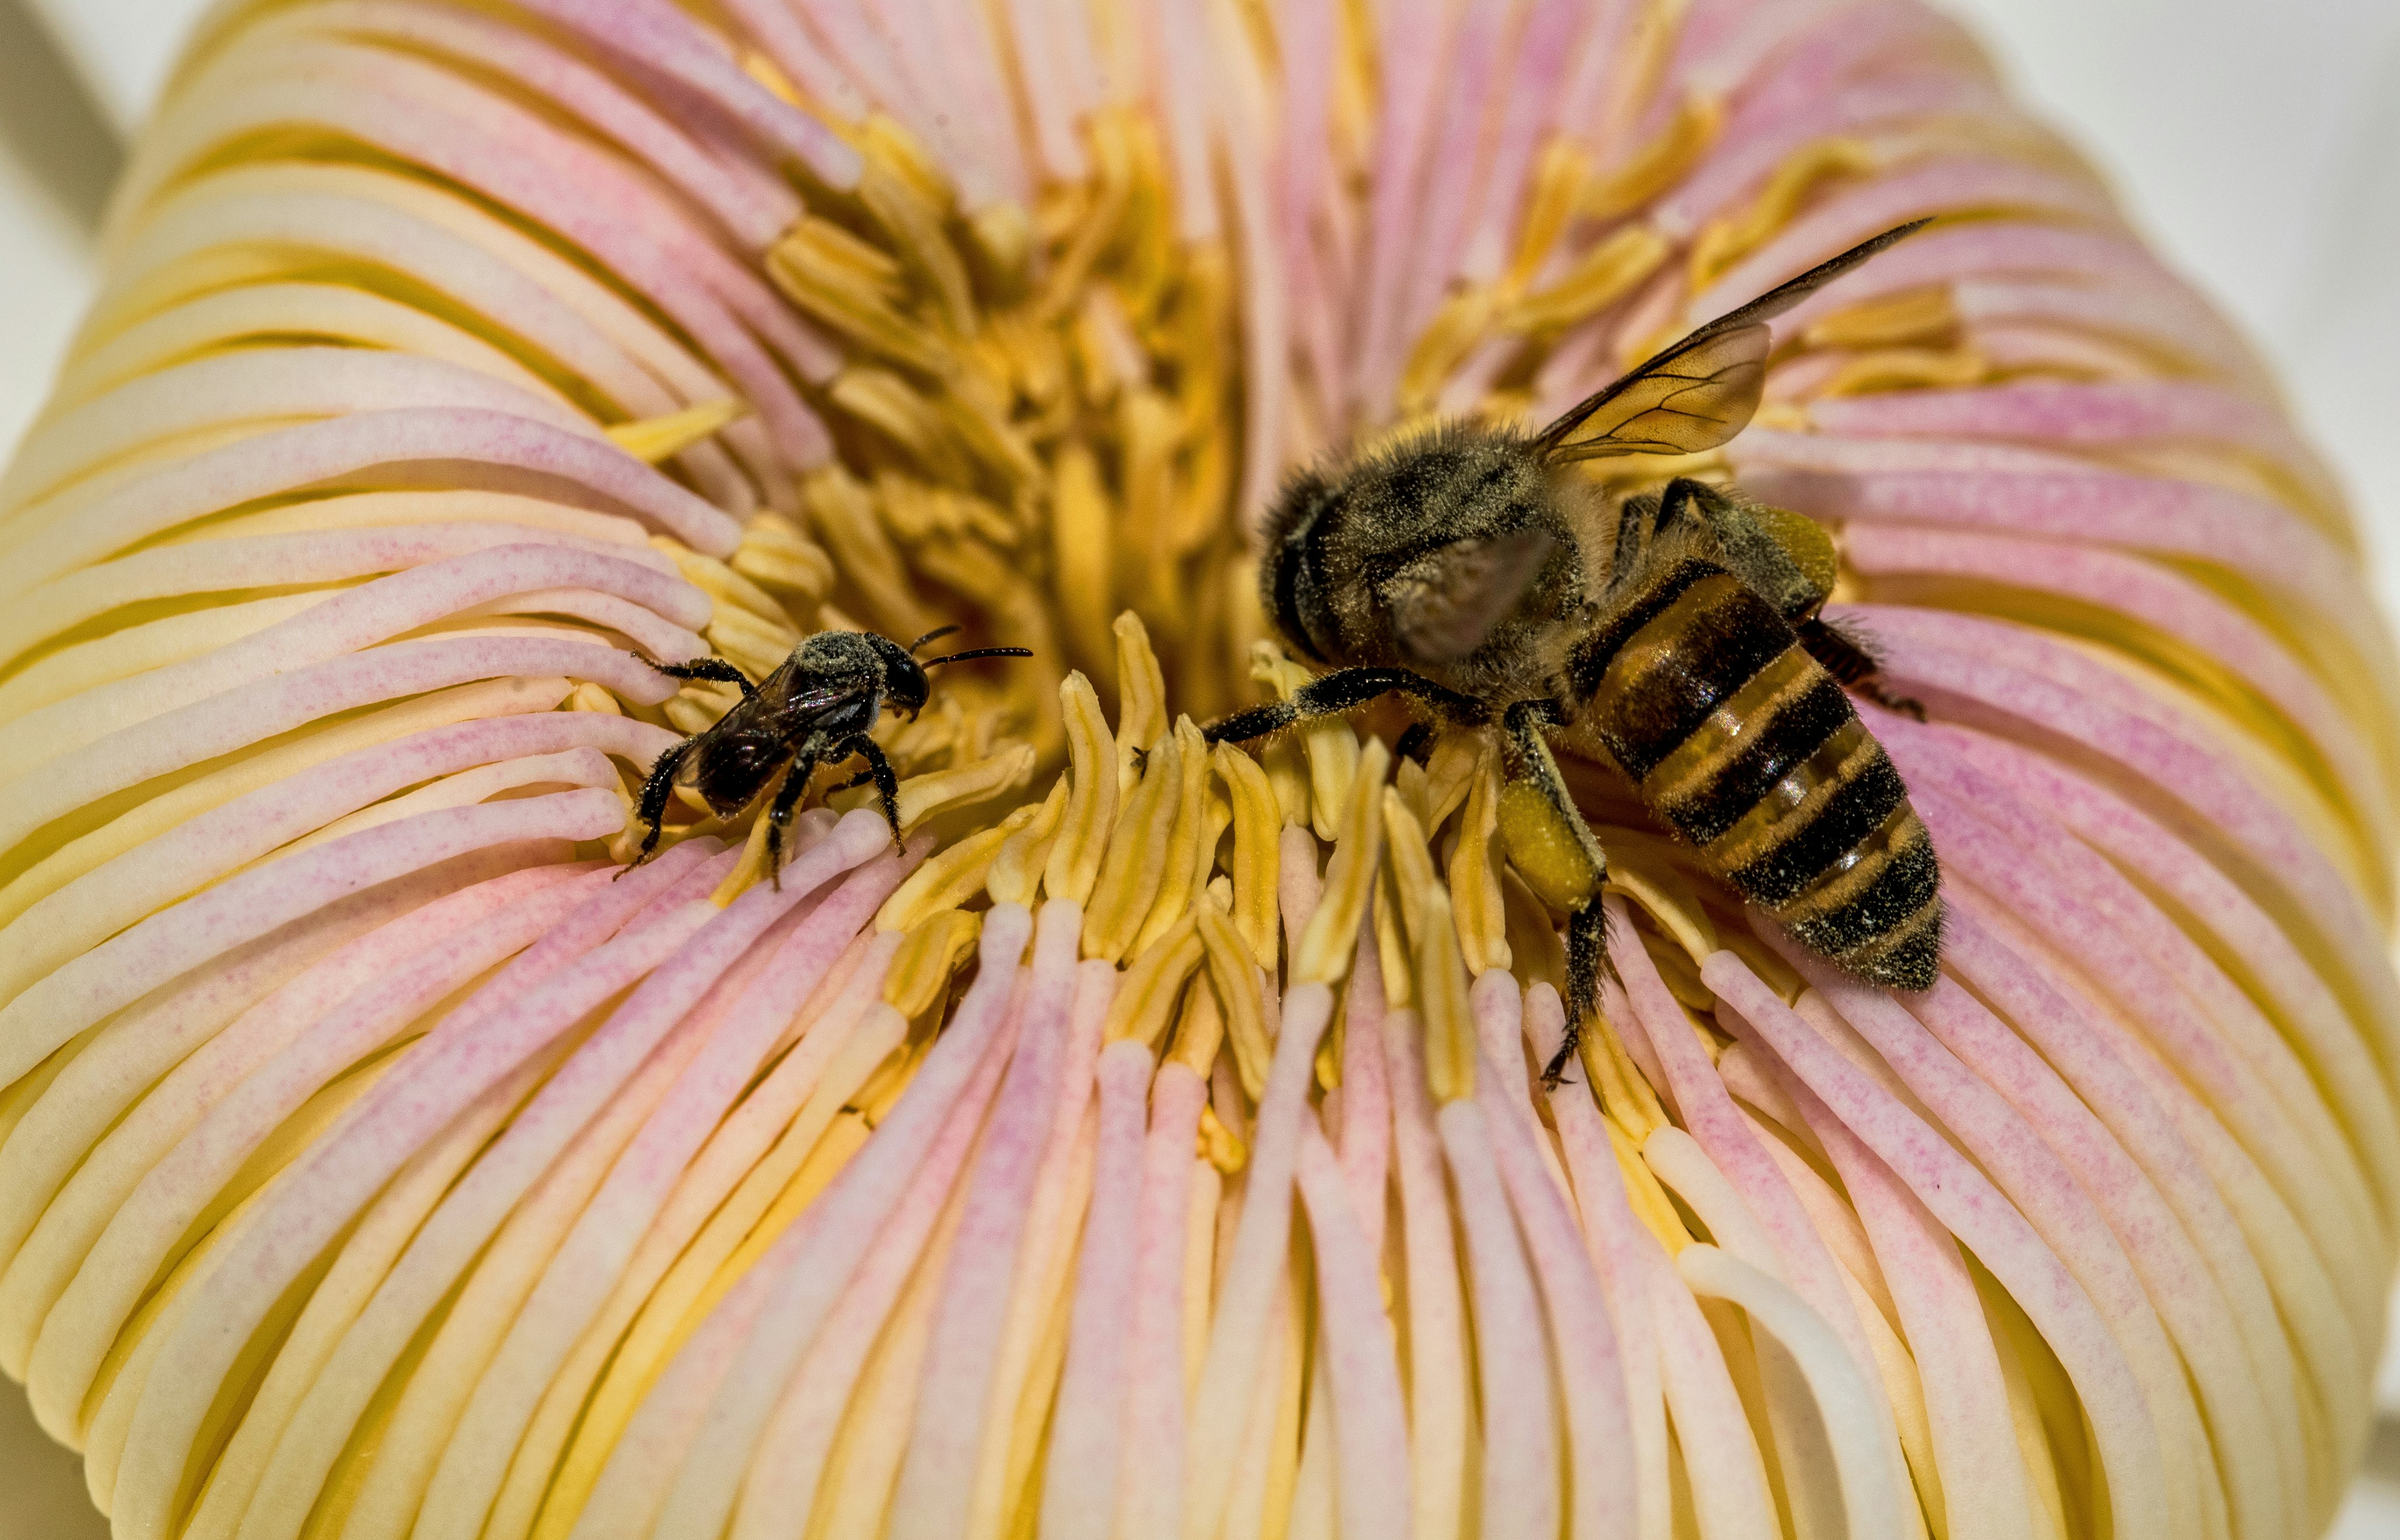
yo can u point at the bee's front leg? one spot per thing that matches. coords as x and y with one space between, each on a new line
656 789
1559 858
1339 691
716 670
879 770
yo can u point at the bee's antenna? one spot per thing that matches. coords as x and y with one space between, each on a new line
979 652
934 634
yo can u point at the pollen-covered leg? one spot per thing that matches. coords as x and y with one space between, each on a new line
1340 691
779 815
1559 858
652 809
713 669
1785 558
1587 961
879 770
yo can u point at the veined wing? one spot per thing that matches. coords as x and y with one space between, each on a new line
1702 390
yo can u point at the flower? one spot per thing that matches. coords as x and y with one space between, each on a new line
1149 1146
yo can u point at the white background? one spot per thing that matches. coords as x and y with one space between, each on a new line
2257 142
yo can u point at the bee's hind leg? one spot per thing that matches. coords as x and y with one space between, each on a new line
652 809
1587 962
1339 691
879 770
779 814
1851 660
1559 858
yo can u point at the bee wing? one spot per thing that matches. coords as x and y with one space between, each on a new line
790 695
1445 604
1702 390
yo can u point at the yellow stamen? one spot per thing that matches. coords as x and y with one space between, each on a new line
1610 270
1560 176
1729 238
1082 838
1535 953
1412 861
1660 164
663 437
1200 1030
1392 946
1922 317
1324 953
954 876
1081 521
1137 861
1625 1096
844 515
1473 873
853 286
1441 996
1257 850
1142 697
1449 770
1286 774
1907 369
910 211
726 588
758 648
932 952
883 1089
1649 1200
1219 1145
1016 873
924 797
1331 743
776 556
747 871
1185 874
1235 980
905 416
1660 890
1144 1002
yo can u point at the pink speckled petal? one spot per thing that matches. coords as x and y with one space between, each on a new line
295 458
1237 1334
808 1278
1362 1368
1079 1499
1521 1453
2133 1284
1599 1443
1625 1256
2140 1494
591 1257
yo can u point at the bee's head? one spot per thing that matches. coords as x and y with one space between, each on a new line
905 685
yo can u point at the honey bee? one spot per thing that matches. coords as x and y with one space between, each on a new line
1466 567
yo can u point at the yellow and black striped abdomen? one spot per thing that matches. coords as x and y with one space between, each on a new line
1744 745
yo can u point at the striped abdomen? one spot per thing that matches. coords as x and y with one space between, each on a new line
1749 749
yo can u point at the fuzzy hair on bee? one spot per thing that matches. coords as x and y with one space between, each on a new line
1469 567
815 709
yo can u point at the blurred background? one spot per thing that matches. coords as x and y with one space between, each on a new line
2257 145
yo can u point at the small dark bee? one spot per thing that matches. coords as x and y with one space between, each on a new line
815 709
1469 570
